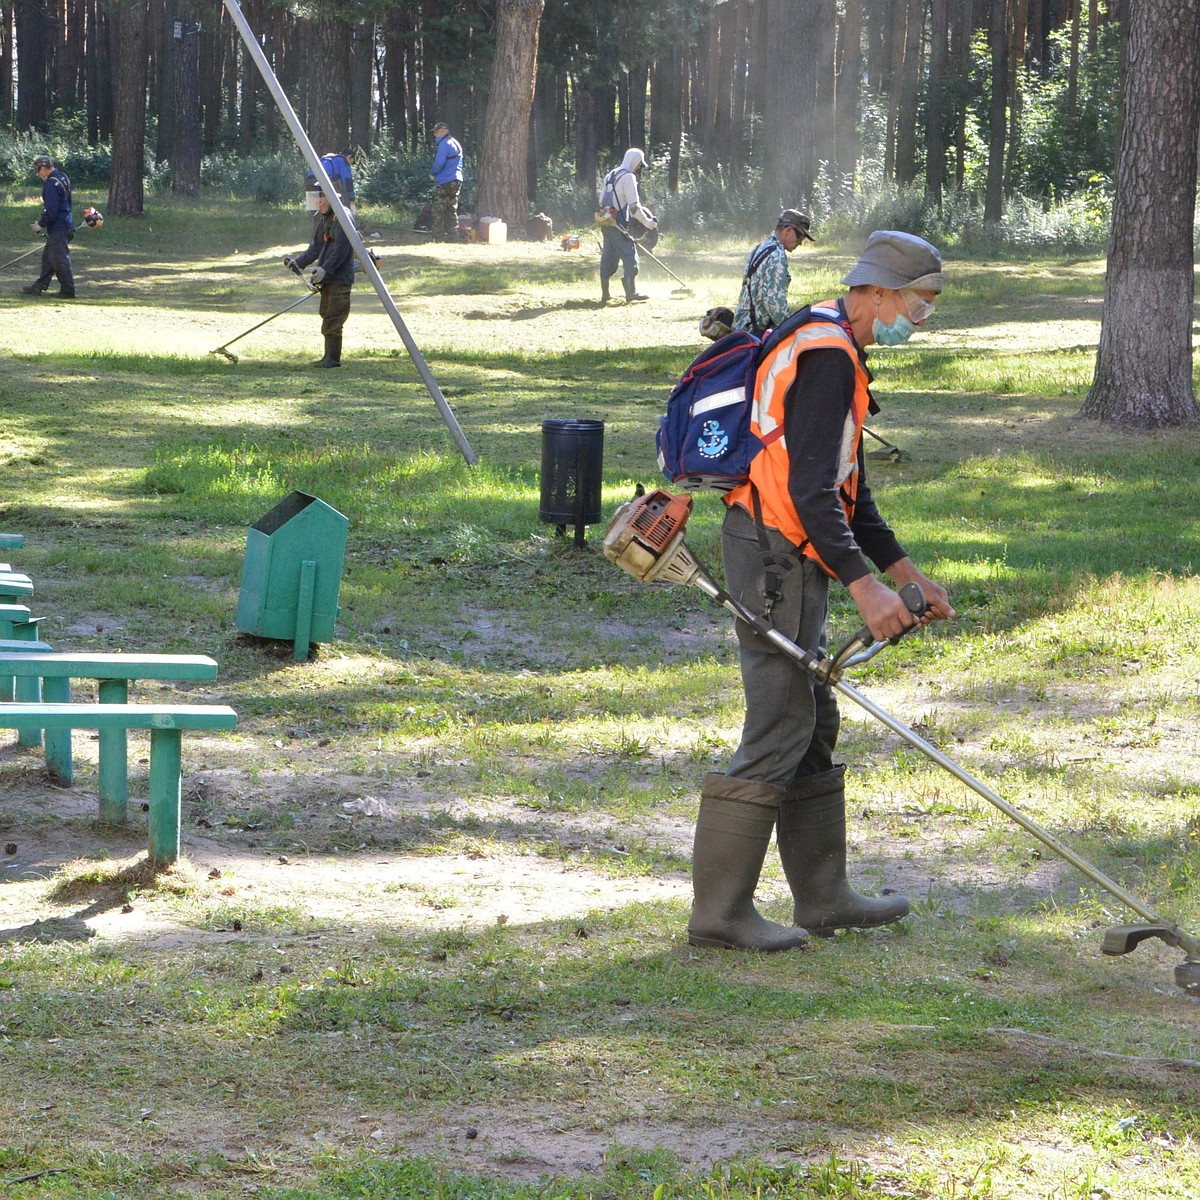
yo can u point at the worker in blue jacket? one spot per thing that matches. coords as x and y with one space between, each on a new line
59 227
340 169
447 175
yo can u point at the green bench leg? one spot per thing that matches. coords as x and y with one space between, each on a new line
29 690
6 682
166 765
114 758
58 741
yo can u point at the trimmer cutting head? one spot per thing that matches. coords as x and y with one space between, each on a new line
1187 978
1121 939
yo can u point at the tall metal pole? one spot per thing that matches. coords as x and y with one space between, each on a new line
347 224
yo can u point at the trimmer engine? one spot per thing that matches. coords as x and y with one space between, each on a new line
645 539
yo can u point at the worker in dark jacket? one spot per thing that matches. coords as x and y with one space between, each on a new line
330 249
59 227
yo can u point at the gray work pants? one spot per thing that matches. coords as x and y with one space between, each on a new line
791 723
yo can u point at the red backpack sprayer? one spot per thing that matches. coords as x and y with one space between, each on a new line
645 538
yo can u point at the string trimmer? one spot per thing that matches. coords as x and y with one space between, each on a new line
13 261
312 291
645 538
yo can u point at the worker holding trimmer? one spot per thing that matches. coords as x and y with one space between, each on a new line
58 225
333 274
816 521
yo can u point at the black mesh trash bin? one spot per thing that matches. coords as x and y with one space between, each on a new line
572 465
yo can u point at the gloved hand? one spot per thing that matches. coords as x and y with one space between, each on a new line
318 275
648 219
36 227
287 262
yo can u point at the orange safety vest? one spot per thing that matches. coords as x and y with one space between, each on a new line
769 468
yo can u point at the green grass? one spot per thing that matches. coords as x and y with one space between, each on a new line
516 701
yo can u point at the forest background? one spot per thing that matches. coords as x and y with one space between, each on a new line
982 119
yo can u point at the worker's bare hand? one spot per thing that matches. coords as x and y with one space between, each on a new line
936 596
882 610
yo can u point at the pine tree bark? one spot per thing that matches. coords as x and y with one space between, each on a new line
185 139
846 90
503 180
1143 376
329 86
908 85
935 128
362 82
33 46
993 200
787 107
126 185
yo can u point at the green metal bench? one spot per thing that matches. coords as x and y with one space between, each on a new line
51 676
14 585
166 723
15 625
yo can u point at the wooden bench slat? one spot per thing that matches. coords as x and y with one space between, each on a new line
17 646
70 665
118 716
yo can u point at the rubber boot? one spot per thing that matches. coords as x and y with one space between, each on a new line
812 848
333 352
631 292
733 831
604 296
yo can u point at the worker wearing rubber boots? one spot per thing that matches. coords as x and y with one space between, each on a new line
620 203
806 516
333 274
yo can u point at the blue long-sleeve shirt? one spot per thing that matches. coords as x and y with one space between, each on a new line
447 162
56 202
340 175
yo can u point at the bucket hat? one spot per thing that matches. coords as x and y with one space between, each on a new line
892 259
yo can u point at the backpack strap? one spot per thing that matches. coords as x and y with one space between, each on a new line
756 262
775 563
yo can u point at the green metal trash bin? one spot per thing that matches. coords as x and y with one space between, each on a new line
293 573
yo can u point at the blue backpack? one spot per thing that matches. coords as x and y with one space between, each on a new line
704 439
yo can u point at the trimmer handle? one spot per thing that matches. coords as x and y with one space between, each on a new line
863 645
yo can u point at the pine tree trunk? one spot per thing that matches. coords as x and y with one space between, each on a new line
787 108
908 85
849 71
362 81
329 109
503 180
1143 376
993 201
32 38
126 185
185 141
935 129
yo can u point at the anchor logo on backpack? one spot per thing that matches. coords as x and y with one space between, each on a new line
713 441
